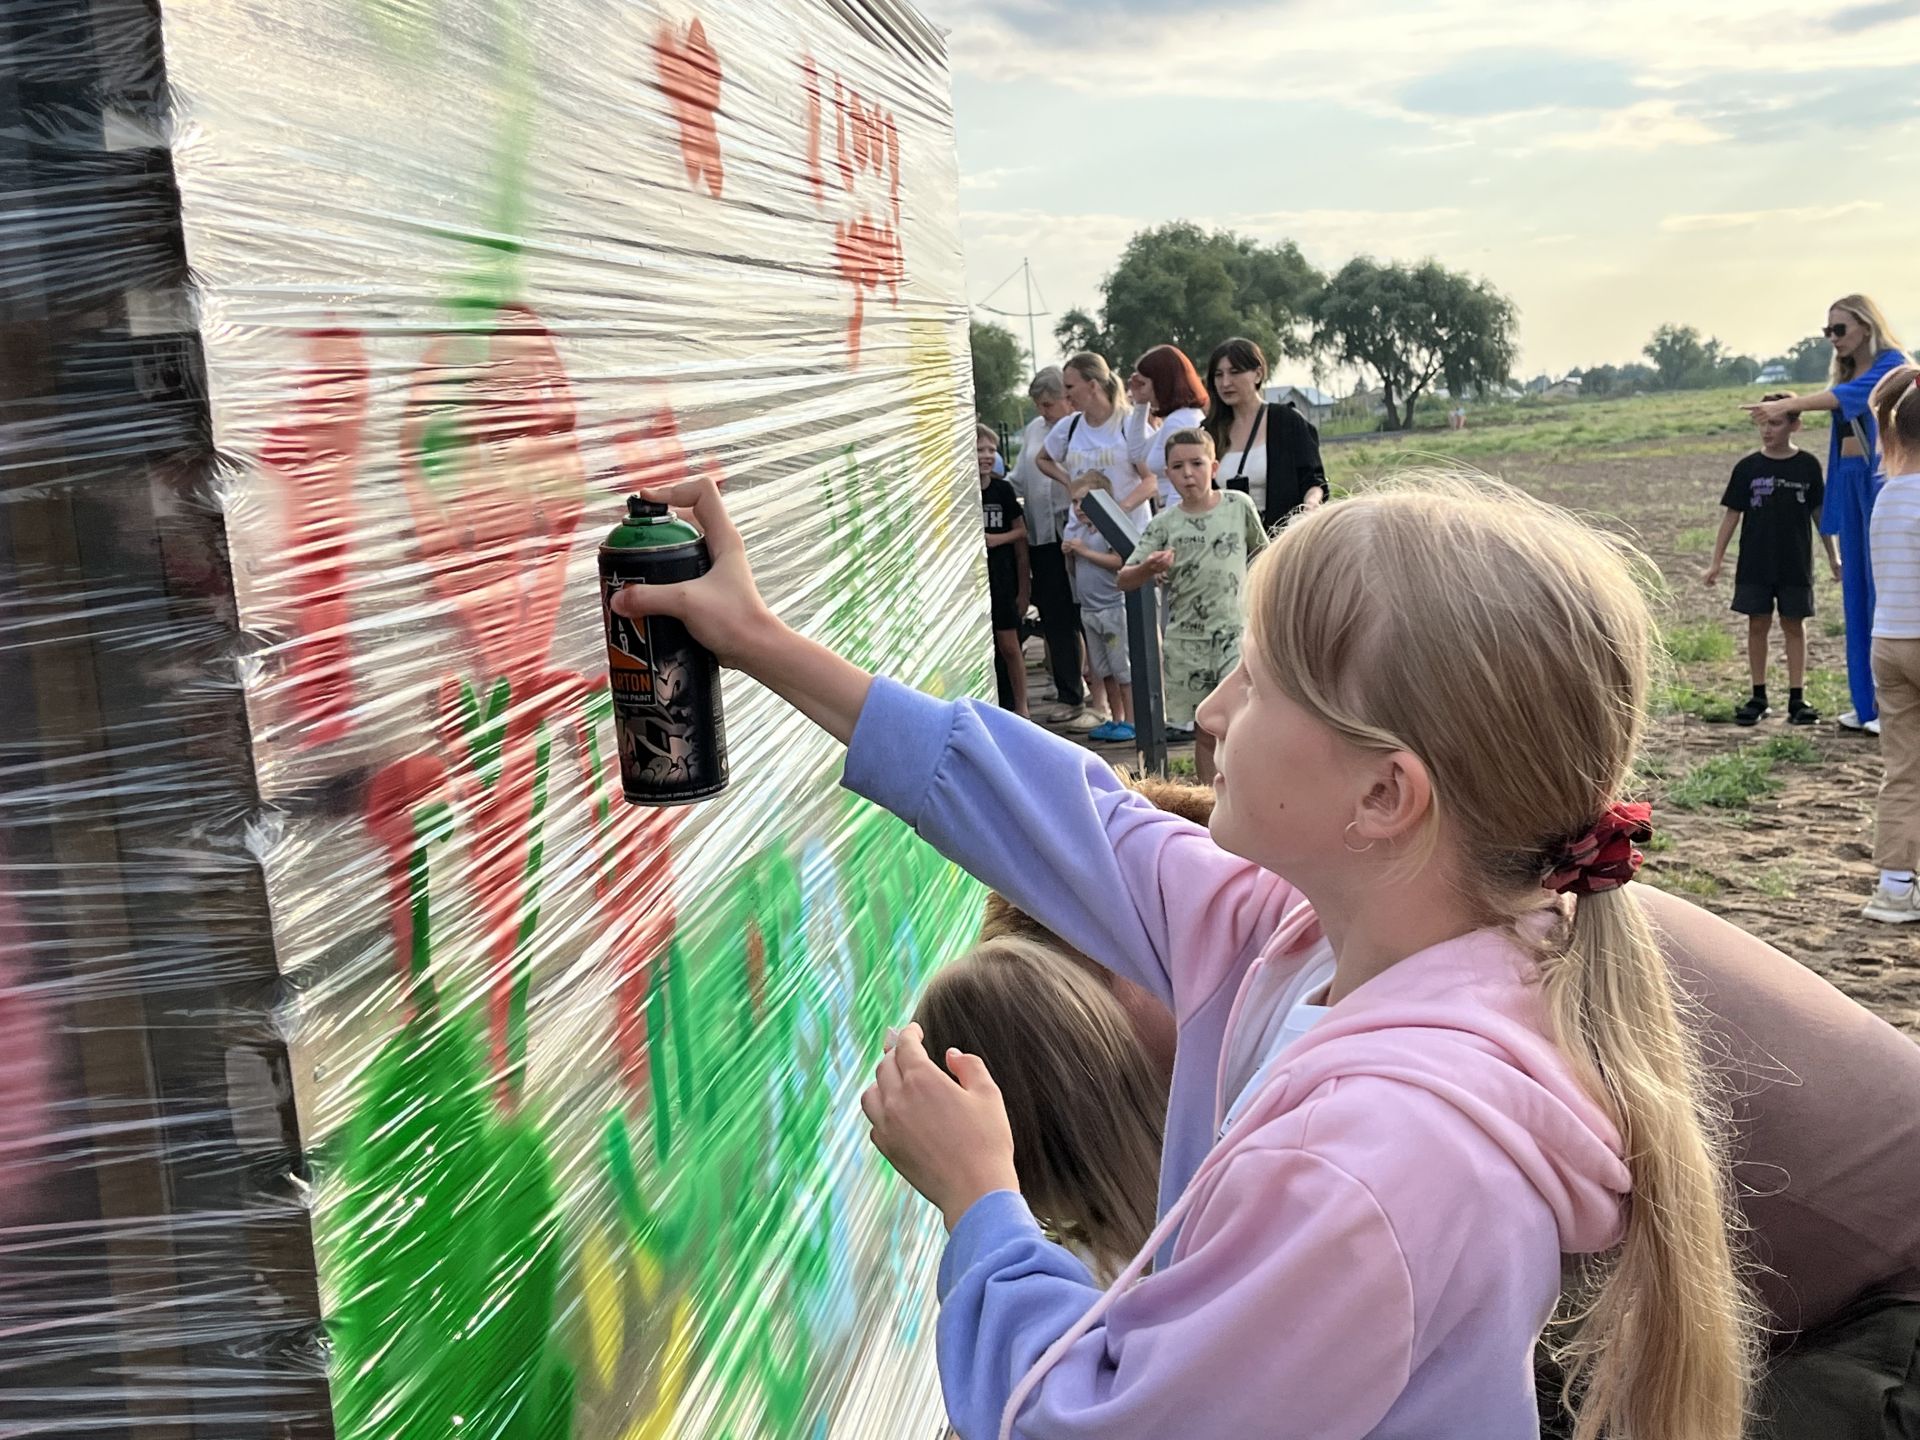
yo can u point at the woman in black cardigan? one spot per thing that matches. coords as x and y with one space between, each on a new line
1268 451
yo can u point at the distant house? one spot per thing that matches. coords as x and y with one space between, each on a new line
1567 389
1775 374
1313 404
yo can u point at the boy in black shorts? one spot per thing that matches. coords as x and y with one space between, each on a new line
1774 497
1008 579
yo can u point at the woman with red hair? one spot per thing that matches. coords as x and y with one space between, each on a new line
1167 397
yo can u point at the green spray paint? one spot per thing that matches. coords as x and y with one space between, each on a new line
444 1238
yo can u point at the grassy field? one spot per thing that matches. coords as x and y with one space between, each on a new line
1687 422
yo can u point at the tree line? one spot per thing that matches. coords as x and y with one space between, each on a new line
1412 328
1678 358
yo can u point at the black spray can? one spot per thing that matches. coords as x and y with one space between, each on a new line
666 685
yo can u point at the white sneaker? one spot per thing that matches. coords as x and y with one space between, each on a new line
1872 726
1082 721
1851 721
1893 906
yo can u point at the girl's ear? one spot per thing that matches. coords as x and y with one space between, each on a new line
1398 801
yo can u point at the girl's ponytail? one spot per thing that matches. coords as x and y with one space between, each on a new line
1509 647
1659 1339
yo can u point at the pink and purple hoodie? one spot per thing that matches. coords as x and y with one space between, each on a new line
1375 1244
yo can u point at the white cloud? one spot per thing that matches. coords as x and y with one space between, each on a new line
1746 219
993 179
1649 125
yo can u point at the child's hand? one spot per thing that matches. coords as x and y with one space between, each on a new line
947 1135
1834 565
1158 563
722 609
1712 576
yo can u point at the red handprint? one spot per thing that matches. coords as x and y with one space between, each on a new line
689 72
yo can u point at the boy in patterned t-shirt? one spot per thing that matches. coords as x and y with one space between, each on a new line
1199 549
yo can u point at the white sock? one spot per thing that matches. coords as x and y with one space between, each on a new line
1896 882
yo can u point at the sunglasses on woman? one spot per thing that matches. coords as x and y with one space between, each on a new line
1834 332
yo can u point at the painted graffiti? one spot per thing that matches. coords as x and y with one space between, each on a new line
491 1277
866 143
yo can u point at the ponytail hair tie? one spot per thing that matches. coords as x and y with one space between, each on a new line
1606 856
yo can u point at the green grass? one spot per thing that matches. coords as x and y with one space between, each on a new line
1777 883
1726 782
1827 692
1650 766
1180 767
1677 697
1788 750
1683 880
1690 421
1697 540
1735 780
1692 644
1833 627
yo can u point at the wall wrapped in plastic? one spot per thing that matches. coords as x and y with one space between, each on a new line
367 1066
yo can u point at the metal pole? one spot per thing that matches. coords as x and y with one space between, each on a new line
1143 637
1033 347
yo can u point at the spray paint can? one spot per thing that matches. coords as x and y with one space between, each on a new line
666 685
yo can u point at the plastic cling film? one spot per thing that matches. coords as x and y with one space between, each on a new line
369 1068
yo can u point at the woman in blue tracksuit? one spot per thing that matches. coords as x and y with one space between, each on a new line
1864 349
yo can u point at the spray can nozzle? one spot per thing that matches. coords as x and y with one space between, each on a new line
639 508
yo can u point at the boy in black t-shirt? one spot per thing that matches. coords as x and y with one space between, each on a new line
1008 580
1774 497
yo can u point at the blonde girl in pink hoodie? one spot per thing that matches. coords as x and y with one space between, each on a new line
1427 1046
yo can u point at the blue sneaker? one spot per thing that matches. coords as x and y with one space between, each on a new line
1121 731
1104 732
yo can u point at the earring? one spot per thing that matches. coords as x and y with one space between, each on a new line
1353 849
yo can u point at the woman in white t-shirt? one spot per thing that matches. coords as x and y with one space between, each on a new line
1167 397
1094 438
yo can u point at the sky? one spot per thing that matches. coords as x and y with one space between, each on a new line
1729 164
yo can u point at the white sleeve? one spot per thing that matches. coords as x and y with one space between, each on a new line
1140 432
1056 441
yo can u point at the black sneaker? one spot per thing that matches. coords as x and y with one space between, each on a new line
1802 714
1752 712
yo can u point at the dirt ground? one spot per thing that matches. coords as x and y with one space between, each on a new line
1793 865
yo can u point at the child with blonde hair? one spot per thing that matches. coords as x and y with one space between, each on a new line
1370 1172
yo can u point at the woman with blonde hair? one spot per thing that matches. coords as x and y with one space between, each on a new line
1094 437
1864 349
1423 759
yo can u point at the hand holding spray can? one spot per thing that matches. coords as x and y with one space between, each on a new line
666 685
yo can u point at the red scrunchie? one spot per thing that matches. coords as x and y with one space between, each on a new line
1605 858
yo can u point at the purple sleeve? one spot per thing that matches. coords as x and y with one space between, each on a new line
1051 827
1290 1297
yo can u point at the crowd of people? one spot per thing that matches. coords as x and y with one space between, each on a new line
1249 466
1361 1093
